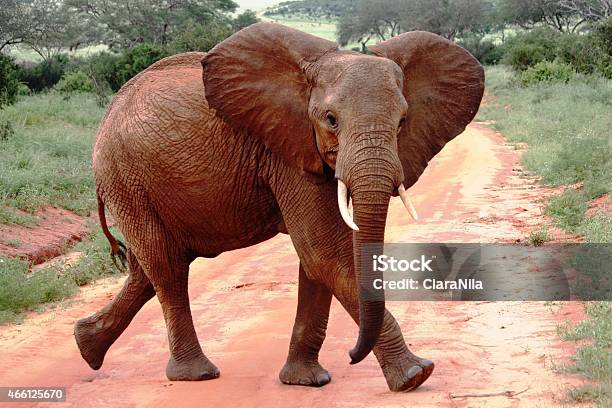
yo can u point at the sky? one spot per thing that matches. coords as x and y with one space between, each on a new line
255 5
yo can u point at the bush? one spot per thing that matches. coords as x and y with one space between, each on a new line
139 58
117 69
76 81
586 53
9 81
547 71
581 52
6 130
603 35
103 68
45 74
528 48
484 51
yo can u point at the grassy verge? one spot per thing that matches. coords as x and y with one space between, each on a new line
22 291
567 127
568 130
593 360
45 160
45 155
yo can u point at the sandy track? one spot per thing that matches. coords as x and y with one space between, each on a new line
244 303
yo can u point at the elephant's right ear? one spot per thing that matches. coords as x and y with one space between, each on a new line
256 82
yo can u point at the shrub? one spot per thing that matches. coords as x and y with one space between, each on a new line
45 74
76 81
103 68
603 35
9 80
139 58
117 69
582 52
6 130
547 71
528 48
586 53
484 51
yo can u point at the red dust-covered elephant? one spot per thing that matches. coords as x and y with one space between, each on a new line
273 131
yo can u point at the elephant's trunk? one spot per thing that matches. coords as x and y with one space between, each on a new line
372 176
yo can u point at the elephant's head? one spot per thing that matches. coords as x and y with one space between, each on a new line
373 121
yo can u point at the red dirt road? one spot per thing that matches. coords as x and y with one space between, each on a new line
244 303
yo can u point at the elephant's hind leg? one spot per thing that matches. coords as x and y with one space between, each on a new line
168 270
95 334
302 366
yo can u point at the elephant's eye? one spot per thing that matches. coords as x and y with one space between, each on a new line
331 119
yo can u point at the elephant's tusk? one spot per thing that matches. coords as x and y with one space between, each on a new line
343 206
407 203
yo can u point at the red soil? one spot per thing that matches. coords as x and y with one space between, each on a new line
57 231
244 303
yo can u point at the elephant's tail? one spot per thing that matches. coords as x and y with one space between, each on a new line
118 249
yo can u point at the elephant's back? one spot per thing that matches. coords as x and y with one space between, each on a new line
155 113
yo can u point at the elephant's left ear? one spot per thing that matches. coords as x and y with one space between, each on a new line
256 82
443 85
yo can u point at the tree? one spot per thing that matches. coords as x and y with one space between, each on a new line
371 19
149 21
560 14
588 10
194 36
245 19
448 18
13 22
54 27
315 9
382 19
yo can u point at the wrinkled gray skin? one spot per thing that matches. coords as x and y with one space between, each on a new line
202 154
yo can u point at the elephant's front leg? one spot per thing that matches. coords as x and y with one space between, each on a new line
302 366
403 370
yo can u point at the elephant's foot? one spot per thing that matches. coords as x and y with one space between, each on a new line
304 373
407 373
91 342
197 369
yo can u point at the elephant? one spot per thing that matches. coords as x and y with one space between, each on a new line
273 131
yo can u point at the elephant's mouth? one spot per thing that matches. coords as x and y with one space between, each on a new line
331 155
344 198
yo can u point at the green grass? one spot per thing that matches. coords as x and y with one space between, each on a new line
568 129
568 209
593 360
11 216
326 29
46 160
538 238
22 291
